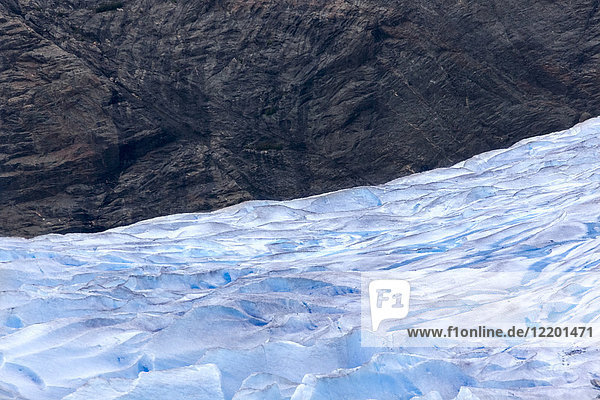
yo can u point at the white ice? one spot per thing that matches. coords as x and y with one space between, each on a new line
262 300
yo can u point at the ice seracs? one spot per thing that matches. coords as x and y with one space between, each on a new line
262 300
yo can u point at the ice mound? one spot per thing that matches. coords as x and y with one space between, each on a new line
262 300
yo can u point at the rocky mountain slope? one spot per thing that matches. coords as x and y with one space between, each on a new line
112 112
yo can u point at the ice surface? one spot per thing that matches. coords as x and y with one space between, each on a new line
262 300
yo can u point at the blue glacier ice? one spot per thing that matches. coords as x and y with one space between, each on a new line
262 300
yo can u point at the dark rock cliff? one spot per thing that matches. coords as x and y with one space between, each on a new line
112 112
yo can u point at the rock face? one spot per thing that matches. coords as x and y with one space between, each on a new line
119 111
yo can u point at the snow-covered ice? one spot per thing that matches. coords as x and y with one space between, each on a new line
263 300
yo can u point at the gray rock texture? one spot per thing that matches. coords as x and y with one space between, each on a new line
113 112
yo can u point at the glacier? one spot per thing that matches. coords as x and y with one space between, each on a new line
262 300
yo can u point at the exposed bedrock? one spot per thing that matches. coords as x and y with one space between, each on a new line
115 112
